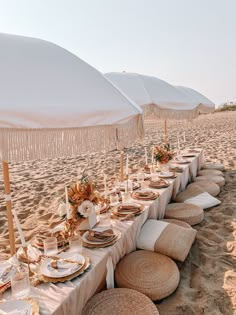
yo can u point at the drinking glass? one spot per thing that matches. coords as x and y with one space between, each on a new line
20 284
50 246
76 243
114 200
125 197
105 219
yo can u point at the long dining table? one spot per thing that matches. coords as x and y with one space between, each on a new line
70 297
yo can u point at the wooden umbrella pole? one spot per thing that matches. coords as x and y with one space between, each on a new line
6 179
165 128
122 165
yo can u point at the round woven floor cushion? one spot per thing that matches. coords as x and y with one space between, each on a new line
120 302
210 172
210 187
214 166
177 222
219 180
189 193
186 212
152 274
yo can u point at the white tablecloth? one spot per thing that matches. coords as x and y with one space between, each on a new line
71 296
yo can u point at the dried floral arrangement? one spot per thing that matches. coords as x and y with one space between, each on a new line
163 153
83 198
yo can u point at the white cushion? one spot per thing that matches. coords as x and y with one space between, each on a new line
204 201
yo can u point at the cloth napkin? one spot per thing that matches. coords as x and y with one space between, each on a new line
128 207
103 236
64 264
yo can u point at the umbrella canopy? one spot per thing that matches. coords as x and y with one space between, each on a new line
156 96
204 104
54 104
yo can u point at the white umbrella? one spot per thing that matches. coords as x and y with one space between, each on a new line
156 96
53 104
204 104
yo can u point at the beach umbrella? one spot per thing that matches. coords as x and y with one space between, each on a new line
53 104
205 106
158 98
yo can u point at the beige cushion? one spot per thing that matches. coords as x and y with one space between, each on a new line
189 193
191 214
214 166
210 187
166 238
178 222
152 274
219 180
204 201
210 172
120 302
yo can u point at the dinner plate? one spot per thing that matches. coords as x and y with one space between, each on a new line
181 161
85 240
48 271
166 174
18 306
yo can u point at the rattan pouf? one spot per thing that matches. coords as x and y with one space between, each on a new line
177 222
219 180
120 302
152 274
186 212
208 172
189 193
208 186
213 166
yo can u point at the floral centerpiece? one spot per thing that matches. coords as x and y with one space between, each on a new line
82 198
163 153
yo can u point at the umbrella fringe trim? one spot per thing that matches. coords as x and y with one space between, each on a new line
31 144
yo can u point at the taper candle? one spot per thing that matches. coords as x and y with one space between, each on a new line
22 238
67 205
127 165
146 159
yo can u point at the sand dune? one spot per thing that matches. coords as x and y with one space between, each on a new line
208 277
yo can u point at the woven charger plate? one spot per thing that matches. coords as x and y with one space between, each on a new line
208 186
152 274
219 180
153 196
102 245
67 278
120 302
186 212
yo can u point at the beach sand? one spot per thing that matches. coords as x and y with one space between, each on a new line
208 276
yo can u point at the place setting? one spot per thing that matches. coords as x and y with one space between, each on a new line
145 195
100 237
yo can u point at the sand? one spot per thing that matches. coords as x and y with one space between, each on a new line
208 276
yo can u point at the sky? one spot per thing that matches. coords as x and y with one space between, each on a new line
184 42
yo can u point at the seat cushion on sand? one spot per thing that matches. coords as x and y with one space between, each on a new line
186 212
210 187
213 166
120 302
207 172
166 238
204 201
178 222
152 274
219 180
189 193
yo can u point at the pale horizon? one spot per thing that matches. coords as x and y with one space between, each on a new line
184 42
